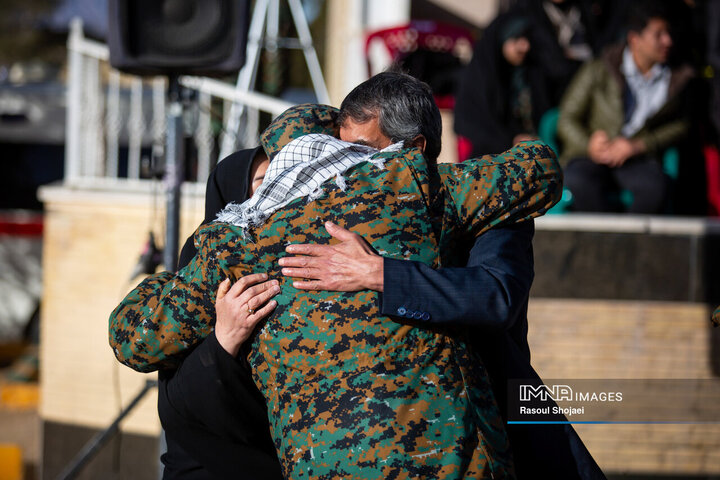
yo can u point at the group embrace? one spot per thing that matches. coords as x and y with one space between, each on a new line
350 391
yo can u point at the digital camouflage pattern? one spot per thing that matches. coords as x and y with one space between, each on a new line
298 121
350 393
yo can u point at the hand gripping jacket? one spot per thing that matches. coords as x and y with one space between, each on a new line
350 393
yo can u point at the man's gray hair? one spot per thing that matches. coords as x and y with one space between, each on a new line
404 106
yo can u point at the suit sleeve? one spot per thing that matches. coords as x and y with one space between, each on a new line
489 293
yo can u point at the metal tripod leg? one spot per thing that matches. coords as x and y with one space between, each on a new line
311 57
263 26
246 77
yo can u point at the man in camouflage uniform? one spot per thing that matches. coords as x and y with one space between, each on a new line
409 379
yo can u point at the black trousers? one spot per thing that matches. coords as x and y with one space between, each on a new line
215 420
593 185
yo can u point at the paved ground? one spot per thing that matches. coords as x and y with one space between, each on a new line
20 422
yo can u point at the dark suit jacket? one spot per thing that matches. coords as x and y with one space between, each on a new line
489 299
214 416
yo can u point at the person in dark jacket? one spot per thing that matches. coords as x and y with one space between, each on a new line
502 94
713 57
210 441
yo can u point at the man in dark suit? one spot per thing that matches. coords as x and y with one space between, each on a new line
488 298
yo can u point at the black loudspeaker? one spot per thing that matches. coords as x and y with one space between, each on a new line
174 37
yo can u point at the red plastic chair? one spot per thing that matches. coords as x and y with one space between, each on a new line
712 170
423 35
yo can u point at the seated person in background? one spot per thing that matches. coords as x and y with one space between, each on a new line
502 94
335 374
618 115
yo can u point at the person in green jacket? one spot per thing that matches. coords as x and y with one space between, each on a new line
618 115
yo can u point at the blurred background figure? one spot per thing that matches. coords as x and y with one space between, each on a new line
502 93
620 113
567 34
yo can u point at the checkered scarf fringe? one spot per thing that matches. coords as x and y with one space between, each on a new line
297 171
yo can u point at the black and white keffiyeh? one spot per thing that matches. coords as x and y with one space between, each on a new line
299 170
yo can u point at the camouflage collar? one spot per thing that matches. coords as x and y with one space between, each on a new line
298 121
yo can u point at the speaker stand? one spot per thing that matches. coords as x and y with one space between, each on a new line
263 32
174 172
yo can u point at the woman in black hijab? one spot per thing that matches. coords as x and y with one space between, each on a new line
502 93
193 400
233 180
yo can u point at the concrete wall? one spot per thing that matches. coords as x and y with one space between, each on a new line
630 297
602 339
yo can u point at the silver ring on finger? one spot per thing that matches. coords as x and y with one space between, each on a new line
250 310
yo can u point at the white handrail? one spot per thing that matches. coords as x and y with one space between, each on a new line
107 111
228 92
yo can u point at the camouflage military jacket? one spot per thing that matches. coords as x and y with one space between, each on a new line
350 393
